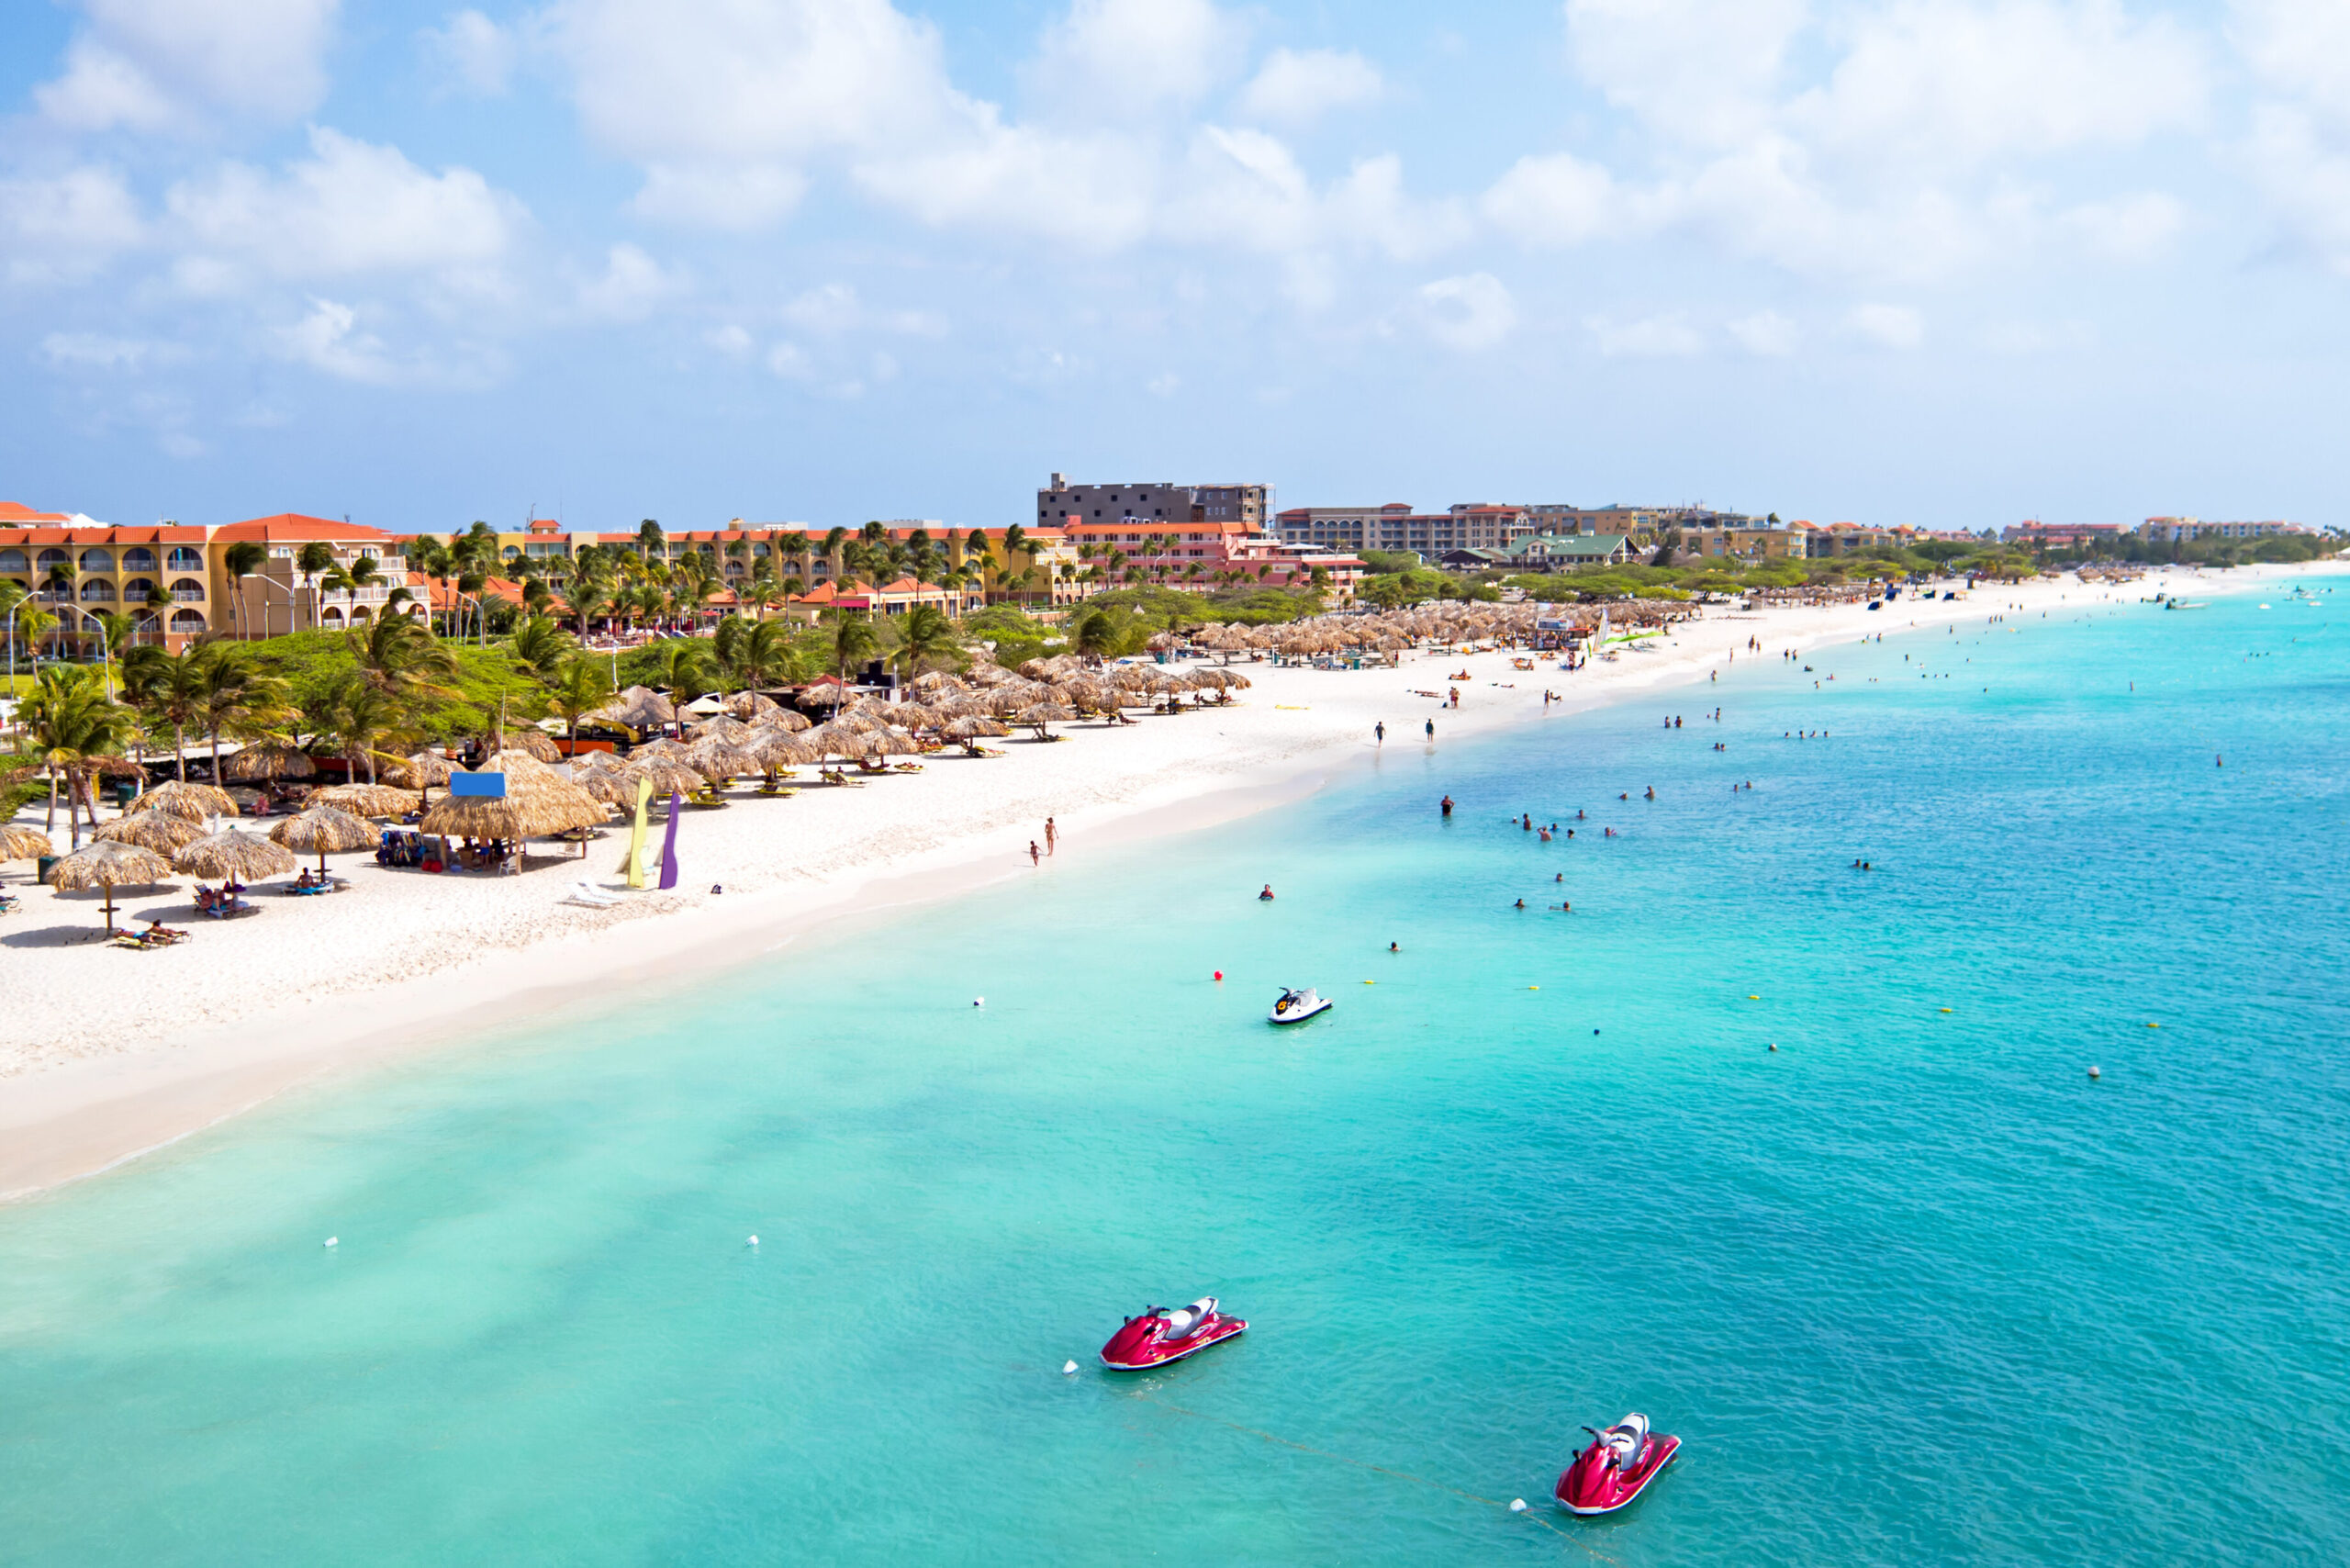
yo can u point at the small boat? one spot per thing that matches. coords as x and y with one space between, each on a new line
1296 1006
1164 1334
1616 1468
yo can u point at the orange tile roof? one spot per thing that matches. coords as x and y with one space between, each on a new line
16 512
293 526
110 535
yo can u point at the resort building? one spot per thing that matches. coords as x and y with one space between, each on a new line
1061 501
2178 530
1559 552
296 588
78 568
1203 554
1745 543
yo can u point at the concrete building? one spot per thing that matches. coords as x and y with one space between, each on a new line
1745 545
1559 551
280 596
1059 502
1203 554
2179 529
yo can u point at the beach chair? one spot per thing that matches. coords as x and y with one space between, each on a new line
589 896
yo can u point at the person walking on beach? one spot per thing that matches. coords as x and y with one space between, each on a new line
1431 729
1379 732
1033 858
1050 835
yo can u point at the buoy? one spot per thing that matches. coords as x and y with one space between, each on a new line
1534 988
2095 1073
1941 1010
1219 974
1069 1368
2154 1025
1595 1031
1370 982
334 1241
753 1240
1754 999
1518 1505
1774 1045
979 1001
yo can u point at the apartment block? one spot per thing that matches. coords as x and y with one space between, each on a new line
1166 502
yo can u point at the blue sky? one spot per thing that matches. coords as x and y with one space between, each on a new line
1946 261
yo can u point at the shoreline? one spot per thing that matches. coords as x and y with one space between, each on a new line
68 1111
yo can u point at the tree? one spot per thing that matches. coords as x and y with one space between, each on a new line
757 653
238 562
314 558
925 637
170 688
684 664
399 654
855 638
650 543
1099 636
588 600
833 540
357 716
579 687
73 723
541 645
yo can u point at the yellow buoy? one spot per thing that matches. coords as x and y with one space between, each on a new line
2154 1025
1370 982
1534 988
1754 999
1941 1010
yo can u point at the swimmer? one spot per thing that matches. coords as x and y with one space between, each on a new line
1266 896
1393 948
1652 791
1448 805
1521 903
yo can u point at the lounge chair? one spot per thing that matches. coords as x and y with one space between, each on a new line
590 896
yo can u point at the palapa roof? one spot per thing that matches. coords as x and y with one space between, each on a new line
421 770
234 853
369 800
974 728
24 843
319 830
533 815
107 863
197 802
640 707
752 704
533 742
158 830
781 719
270 760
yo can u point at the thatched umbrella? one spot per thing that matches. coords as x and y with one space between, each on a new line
1042 713
778 749
640 707
26 843
534 743
824 694
974 728
752 705
196 803
157 830
420 772
719 760
675 750
891 744
536 815
108 865
834 739
781 719
320 829
270 759
669 775
722 728
613 786
369 800
235 856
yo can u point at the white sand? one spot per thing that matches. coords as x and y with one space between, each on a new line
108 1052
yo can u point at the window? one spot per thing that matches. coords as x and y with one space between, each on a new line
53 558
12 561
97 560
97 588
138 588
186 590
183 559
188 620
138 558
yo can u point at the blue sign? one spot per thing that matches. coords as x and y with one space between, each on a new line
478 786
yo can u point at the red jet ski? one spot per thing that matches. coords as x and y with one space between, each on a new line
1615 1468
1164 1334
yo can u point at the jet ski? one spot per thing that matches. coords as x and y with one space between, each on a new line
1296 1006
1164 1334
1615 1468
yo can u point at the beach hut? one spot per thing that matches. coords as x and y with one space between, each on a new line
781 719
108 865
752 705
194 802
26 842
234 856
534 743
640 707
420 772
160 831
319 830
1039 714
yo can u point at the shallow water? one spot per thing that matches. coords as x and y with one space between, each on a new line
1912 1288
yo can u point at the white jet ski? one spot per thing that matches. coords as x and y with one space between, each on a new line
1296 1006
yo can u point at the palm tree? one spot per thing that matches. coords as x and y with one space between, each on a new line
685 668
578 688
169 688
925 637
541 645
832 540
650 542
399 654
588 600
757 653
854 641
358 715
71 722
1097 636
238 562
237 698
314 558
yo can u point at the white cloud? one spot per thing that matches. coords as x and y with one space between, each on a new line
1297 87
2305 174
328 339
1697 70
159 64
1765 333
1654 337
96 350
350 207
1556 199
2298 151
2127 228
1469 312
1113 59
1886 326
633 283
731 340
67 225
2298 48
473 54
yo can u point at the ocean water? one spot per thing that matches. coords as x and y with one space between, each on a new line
1913 1287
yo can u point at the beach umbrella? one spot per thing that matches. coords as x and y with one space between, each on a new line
670 748
613 786
26 843
752 705
1039 714
538 814
781 719
420 772
833 739
157 830
319 829
936 681
270 759
235 856
824 694
196 803
778 749
722 728
108 865
669 775
640 707
974 728
720 759
534 743
369 800
890 744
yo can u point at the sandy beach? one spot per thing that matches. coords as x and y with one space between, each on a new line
111 1053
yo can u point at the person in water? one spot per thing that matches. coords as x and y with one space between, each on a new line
1394 948
1521 903
1266 896
1448 805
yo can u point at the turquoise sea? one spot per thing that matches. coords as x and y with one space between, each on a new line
1912 1288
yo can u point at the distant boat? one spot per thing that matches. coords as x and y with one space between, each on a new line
2182 604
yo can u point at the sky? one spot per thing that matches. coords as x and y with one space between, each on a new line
1949 262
